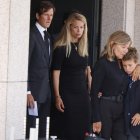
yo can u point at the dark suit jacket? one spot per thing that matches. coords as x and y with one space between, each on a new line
39 67
132 106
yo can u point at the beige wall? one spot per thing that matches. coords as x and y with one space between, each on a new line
4 22
121 15
137 25
112 18
14 27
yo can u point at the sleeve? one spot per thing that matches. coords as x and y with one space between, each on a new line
31 48
98 74
58 58
89 61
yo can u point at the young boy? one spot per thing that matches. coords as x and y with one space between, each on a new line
132 100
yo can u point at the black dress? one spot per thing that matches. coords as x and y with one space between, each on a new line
75 120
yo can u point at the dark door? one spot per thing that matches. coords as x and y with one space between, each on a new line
90 8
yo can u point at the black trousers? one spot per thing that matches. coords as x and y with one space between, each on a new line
112 120
43 113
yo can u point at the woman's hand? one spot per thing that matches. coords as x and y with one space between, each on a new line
97 127
135 119
59 104
136 73
89 83
100 94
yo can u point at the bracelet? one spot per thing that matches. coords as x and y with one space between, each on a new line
58 96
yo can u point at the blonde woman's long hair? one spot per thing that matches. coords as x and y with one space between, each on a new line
64 38
118 37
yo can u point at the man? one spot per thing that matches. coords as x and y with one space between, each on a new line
40 52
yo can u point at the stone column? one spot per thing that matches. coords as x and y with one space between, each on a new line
117 15
14 38
137 26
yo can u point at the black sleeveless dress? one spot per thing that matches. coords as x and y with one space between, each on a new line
75 121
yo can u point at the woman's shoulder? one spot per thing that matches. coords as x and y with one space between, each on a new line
102 60
104 63
60 51
100 63
105 60
60 48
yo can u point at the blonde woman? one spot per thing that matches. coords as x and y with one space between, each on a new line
70 72
111 80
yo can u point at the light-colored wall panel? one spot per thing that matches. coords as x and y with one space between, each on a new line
129 23
112 18
4 37
19 40
16 109
3 87
4 40
137 26
14 38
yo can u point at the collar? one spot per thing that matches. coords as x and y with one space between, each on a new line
40 28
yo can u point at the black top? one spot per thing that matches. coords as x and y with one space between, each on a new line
109 79
74 61
71 67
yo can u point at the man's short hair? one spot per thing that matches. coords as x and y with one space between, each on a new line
44 6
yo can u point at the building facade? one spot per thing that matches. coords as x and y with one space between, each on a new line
14 40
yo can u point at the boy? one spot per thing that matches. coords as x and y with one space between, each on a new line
132 100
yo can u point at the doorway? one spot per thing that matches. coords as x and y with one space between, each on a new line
90 8
92 11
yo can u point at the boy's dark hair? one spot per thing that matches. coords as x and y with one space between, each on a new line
131 54
44 6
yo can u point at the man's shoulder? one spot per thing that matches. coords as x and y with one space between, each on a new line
33 29
33 32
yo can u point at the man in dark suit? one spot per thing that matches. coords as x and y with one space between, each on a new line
40 52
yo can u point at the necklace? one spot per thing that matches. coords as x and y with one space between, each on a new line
75 46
